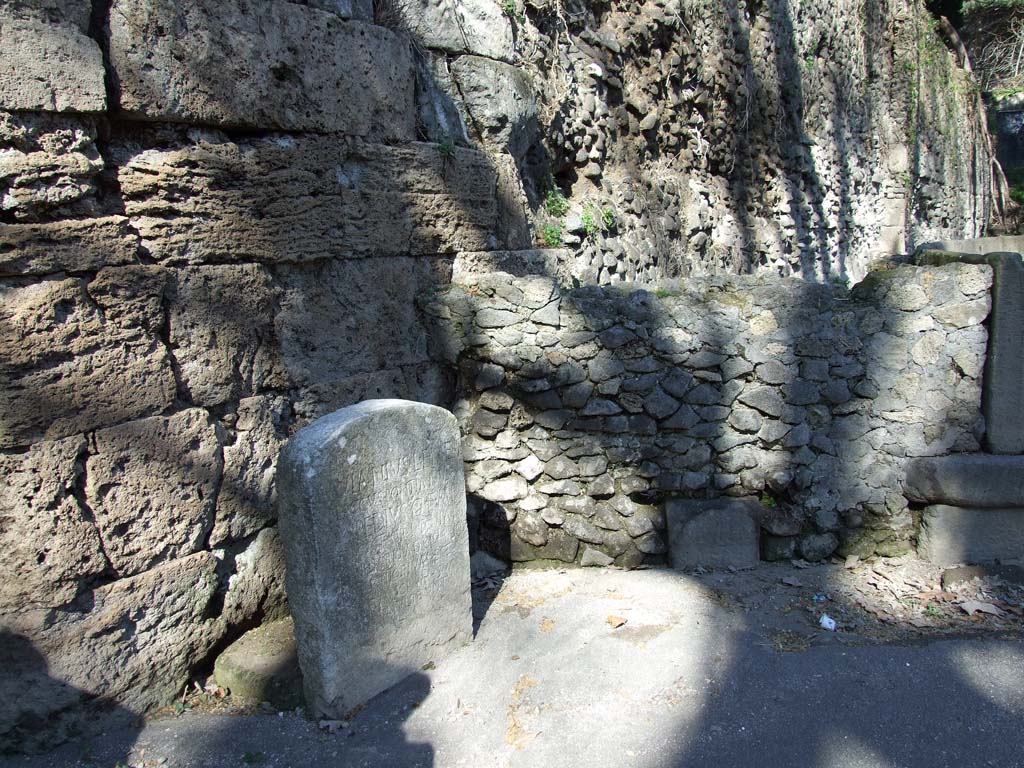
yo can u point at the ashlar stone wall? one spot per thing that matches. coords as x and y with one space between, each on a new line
584 409
214 223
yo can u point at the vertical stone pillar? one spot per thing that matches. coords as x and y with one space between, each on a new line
372 509
1004 366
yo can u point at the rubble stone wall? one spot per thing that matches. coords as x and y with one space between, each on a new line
584 409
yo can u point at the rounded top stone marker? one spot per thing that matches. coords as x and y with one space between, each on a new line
372 511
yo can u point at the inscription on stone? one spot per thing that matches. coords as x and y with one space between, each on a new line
372 510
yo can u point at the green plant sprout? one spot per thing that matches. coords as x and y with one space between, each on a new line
556 203
552 235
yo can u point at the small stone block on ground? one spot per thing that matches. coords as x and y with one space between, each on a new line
717 533
372 511
954 535
262 665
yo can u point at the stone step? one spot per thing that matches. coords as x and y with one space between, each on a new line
262 665
953 535
967 480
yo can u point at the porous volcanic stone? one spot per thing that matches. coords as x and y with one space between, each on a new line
372 509
48 65
264 65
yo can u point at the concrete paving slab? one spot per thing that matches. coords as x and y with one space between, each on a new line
647 669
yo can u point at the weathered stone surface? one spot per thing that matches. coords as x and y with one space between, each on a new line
49 548
505 489
257 585
152 487
473 26
720 533
246 500
776 548
48 166
222 333
74 246
76 356
49 64
979 246
595 558
1004 364
268 65
952 535
73 12
372 510
967 480
263 665
547 262
346 9
136 645
306 198
339 319
500 101
818 546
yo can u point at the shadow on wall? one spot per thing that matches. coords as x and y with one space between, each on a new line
46 706
583 408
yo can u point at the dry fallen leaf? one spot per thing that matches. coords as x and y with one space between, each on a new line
789 581
615 621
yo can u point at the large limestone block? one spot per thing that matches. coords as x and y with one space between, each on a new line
343 318
246 500
49 166
73 246
257 586
222 332
49 63
967 480
307 198
48 544
76 356
952 535
428 382
135 645
468 26
372 510
717 533
439 111
262 65
152 486
501 101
